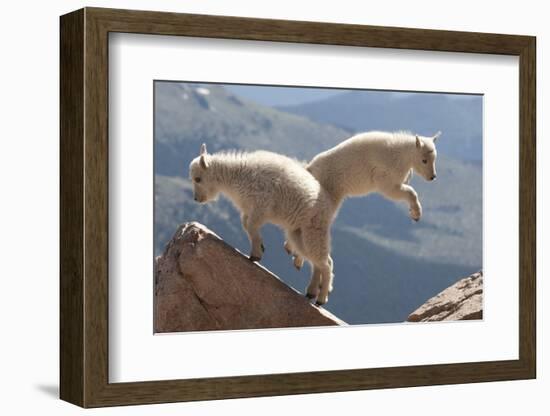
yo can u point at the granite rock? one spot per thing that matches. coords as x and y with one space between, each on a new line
461 301
204 284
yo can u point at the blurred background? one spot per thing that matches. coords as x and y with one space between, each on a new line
385 265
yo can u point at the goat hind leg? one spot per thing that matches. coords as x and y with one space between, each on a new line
331 264
312 291
326 282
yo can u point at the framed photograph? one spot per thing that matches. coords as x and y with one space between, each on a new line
254 207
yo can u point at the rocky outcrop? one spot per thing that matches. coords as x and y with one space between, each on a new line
202 284
461 301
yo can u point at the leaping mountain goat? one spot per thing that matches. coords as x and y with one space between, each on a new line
268 187
376 162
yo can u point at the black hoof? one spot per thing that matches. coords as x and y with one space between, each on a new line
254 258
309 296
319 304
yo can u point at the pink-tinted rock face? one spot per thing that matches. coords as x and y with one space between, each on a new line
461 301
203 284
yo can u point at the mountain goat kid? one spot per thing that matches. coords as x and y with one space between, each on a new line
268 187
375 162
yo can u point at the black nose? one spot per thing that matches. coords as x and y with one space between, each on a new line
195 198
433 177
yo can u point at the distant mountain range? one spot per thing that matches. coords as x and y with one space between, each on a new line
187 116
459 117
385 265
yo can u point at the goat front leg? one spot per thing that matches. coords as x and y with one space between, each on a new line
404 192
298 260
290 248
252 225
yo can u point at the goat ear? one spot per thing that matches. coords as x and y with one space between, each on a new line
436 136
418 142
204 153
203 162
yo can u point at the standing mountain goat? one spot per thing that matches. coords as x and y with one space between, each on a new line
268 187
375 162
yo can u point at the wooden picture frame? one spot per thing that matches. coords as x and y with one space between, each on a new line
84 207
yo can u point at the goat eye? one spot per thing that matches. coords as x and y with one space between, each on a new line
424 161
197 179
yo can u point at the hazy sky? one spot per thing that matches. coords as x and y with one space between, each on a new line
287 96
281 96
